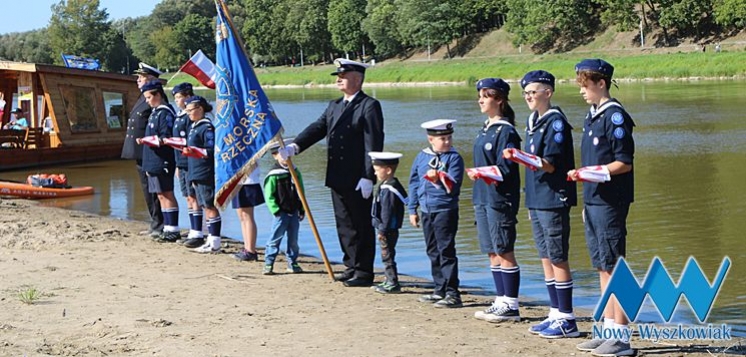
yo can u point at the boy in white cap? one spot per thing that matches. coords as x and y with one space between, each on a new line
389 199
437 200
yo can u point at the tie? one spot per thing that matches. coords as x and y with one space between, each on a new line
345 102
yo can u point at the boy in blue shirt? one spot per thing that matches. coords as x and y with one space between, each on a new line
389 199
437 200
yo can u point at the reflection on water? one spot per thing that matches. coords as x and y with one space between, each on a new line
690 197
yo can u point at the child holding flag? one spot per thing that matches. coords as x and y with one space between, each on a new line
437 200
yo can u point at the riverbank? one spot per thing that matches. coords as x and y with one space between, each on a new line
466 71
104 290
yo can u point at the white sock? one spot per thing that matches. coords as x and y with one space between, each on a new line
621 329
565 315
214 242
512 302
608 323
170 228
553 311
499 300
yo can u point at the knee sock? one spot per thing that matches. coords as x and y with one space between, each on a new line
552 291
512 283
197 225
564 298
171 219
497 276
214 225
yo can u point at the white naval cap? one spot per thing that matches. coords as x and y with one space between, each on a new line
345 65
439 126
144 68
384 157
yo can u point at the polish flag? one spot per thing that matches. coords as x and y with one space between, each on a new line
444 179
152 141
176 143
201 68
598 173
195 152
533 162
490 174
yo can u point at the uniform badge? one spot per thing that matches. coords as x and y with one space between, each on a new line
488 146
558 138
533 148
617 118
619 133
590 133
182 133
557 125
152 125
595 141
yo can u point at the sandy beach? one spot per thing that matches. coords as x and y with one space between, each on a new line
106 291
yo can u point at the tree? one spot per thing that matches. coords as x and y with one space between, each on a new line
686 16
621 13
558 24
377 25
730 13
192 33
427 22
345 24
306 24
79 27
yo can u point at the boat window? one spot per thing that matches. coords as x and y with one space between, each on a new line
80 108
114 105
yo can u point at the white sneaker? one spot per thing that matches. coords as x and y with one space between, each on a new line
212 245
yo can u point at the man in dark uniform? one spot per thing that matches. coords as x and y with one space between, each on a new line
131 151
353 127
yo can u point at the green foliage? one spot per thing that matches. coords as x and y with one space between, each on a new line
544 25
730 13
78 27
29 295
624 14
427 22
31 46
686 16
345 18
377 24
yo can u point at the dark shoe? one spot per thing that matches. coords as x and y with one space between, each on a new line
168 237
246 256
343 276
294 268
388 289
194 242
358 282
449 302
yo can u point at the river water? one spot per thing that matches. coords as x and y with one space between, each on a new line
689 172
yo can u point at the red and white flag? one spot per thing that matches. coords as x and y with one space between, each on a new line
598 173
201 68
443 179
489 174
176 143
195 152
533 162
152 141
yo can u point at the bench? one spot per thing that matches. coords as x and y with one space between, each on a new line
12 139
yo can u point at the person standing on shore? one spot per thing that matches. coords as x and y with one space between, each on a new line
131 150
496 206
158 159
249 196
434 186
549 197
182 126
607 145
353 127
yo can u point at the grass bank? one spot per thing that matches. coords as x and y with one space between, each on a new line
468 70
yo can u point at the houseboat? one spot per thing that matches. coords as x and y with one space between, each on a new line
74 115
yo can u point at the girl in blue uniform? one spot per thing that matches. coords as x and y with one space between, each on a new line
182 125
549 197
438 204
158 162
607 141
496 206
202 169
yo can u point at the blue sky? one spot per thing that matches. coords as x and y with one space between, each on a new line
20 16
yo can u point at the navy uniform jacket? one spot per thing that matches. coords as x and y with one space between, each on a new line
202 135
351 132
431 198
607 137
136 125
550 137
159 160
182 124
488 151
388 206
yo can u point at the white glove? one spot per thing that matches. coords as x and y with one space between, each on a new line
288 151
365 187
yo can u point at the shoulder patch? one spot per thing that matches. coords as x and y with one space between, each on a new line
619 133
617 118
558 138
558 125
488 146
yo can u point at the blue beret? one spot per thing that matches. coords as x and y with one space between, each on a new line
537 77
595 65
494 83
181 88
152 85
196 99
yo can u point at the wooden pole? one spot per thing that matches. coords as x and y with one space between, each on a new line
301 193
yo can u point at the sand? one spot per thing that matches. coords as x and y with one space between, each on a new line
106 291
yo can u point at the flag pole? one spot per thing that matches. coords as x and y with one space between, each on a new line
301 193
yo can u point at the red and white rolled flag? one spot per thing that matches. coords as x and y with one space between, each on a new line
176 143
152 141
444 179
489 174
201 68
598 173
194 152
531 161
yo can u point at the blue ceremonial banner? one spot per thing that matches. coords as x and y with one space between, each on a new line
73 61
245 122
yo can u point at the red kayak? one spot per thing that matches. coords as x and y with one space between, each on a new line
23 190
